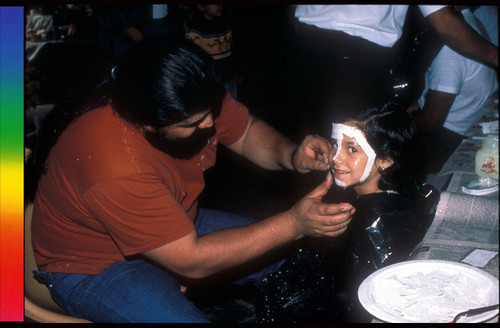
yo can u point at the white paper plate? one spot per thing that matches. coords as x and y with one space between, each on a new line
418 304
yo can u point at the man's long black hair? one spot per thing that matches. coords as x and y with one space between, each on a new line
160 82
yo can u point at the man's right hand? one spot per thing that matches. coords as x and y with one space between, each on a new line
316 219
195 257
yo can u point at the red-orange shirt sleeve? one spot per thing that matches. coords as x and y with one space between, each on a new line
232 122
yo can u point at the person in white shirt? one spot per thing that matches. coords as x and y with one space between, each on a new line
455 90
348 50
382 24
488 15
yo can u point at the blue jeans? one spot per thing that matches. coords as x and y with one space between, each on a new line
137 291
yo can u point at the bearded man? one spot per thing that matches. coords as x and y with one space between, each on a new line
116 225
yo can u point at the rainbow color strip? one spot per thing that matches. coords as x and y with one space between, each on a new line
12 163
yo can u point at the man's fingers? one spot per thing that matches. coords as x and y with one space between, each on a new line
335 226
332 209
316 164
319 165
321 148
312 154
336 233
319 144
335 217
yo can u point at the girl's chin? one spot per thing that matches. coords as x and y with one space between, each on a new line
341 183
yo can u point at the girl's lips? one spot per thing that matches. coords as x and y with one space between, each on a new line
338 172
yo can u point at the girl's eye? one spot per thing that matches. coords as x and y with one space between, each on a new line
352 150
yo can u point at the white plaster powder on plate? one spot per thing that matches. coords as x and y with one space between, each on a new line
436 296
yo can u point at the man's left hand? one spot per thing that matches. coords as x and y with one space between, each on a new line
312 154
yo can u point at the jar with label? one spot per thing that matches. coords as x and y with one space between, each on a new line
487 159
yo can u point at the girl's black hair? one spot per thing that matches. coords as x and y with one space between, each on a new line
391 132
160 82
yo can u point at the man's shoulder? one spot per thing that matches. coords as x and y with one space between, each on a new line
100 138
100 123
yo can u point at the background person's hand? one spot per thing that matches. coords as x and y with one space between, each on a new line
312 154
316 219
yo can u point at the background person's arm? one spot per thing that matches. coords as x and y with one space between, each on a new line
134 34
458 35
436 108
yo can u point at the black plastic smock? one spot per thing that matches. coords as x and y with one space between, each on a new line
319 281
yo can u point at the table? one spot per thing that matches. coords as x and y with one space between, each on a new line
465 223
460 167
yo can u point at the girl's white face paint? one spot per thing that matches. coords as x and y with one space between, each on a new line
351 152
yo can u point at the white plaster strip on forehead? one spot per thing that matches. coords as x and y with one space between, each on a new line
338 130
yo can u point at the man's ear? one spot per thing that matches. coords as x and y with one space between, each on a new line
148 128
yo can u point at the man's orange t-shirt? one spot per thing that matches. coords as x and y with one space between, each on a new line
107 193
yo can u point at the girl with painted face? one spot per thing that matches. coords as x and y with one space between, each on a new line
375 163
377 152
353 159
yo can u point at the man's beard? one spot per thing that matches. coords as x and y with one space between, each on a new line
181 148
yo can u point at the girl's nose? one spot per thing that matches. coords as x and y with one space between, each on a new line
338 156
